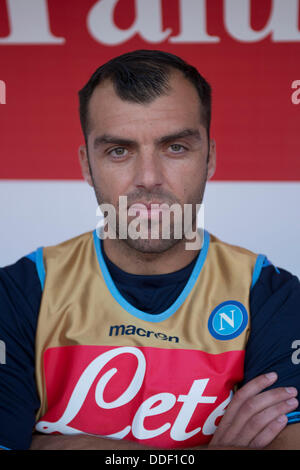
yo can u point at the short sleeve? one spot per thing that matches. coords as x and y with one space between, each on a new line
275 326
20 295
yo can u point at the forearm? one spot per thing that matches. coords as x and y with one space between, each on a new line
255 417
86 442
81 442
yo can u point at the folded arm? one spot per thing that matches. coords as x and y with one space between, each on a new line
255 419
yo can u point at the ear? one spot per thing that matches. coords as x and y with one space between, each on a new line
211 168
84 163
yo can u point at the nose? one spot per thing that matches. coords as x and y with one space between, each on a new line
148 170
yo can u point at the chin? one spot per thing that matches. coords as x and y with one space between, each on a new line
151 246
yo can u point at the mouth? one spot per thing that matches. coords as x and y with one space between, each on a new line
148 209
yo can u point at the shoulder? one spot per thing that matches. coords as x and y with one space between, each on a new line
274 326
274 288
20 296
20 292
275 306
234 250
77 241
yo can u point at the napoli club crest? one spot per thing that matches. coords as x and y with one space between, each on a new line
228 320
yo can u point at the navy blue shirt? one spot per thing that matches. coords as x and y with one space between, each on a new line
275 325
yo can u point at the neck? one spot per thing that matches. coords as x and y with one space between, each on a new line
135 261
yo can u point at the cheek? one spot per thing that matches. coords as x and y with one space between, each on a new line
109 185
193 183
188 178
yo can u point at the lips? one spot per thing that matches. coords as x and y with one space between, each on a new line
148 205
147 209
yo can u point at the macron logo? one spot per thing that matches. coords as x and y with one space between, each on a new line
133 330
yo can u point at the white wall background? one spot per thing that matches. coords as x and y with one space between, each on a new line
263 217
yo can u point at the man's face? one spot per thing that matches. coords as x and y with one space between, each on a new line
150 153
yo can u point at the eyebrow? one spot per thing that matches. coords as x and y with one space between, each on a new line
194 133
111 139
114 139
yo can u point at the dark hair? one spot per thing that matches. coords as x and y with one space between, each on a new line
141 76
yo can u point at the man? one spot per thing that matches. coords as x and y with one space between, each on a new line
120 339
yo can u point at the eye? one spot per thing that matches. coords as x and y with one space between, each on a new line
118 152
177 148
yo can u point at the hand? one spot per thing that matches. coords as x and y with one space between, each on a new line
253 417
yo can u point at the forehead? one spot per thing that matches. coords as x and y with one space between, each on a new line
180 108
